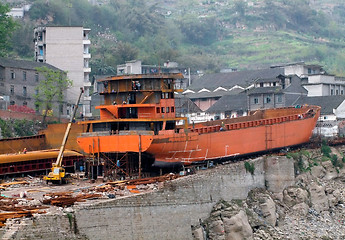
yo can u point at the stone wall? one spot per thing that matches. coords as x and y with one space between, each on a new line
167 213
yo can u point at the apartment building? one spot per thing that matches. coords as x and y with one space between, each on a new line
67 48
18 82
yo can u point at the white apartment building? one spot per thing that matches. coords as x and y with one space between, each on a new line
67 48
315 80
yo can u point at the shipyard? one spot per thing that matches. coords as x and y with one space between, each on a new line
198 120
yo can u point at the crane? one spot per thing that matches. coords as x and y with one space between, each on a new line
57 173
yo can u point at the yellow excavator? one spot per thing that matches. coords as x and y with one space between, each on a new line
57 174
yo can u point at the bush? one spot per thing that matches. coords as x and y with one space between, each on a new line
249 167
326 150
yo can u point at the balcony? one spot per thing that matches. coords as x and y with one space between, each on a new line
86 55
86 42
87 69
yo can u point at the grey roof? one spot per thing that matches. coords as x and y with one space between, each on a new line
230 103
24 64
267 80
228 80
327 103
263 90
185 105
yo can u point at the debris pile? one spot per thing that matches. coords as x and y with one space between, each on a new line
23 197
65 199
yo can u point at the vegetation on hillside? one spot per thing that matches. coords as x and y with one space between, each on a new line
7 25
201 34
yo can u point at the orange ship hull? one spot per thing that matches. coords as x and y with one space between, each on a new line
262 131
114 143
254 136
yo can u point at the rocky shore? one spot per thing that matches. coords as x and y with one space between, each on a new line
312 208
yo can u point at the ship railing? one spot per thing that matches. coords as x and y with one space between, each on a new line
255 123
122 132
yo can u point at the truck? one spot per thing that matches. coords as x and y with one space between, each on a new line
58 173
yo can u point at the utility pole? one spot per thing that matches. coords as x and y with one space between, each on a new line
139 156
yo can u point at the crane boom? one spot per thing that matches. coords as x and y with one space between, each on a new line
68 129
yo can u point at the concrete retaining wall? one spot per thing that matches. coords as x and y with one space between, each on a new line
167 213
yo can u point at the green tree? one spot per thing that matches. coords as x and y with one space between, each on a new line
22 40
51 88
7 26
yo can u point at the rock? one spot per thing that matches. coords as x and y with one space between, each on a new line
237 227
331 172
294 195
301 209
216 230
318 171
198 234
318 197
268 208
333 196
68 210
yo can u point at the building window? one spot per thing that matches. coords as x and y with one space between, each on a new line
342 92
36 77
13 74
61 108
309 70
24 91
37 108
279 98
163 110
267 99
163 95
332 91
261 84
256 101
12 90
36 91
274 84
168 110
172 109
337 92
158 110
25 103
24 76
12 102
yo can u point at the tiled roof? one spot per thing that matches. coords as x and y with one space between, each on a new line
327 103
24 64
230 103
262 90
228 80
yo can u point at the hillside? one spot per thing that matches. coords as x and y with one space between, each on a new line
207 35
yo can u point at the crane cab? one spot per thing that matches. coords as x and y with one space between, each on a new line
56 175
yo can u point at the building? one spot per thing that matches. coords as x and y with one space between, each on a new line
18 82
136 67
209 88
67 48
276 92
315 80
331 122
